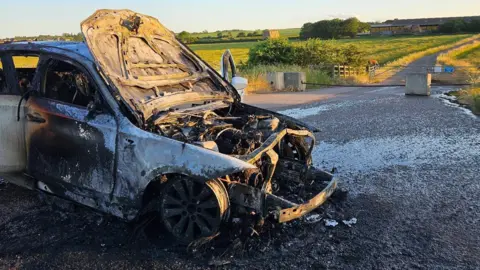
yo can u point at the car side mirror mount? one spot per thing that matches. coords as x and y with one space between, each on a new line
240 85
92 107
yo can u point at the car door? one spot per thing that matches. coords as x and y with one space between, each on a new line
68 145
15 72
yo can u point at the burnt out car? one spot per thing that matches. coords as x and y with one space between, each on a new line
131 122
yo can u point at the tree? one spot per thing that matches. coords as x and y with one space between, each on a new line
241 34
186 37
307 31
473 26
364 27
78 37
336 28
220 35
350 27
454 26
328 29
272 51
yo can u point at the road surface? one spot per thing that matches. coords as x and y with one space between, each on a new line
411 166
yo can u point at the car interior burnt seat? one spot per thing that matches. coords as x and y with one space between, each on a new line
65 83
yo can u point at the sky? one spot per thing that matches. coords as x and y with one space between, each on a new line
34 17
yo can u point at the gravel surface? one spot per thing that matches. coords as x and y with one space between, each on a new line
411 166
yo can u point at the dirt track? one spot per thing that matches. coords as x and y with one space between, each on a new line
411 164
419 66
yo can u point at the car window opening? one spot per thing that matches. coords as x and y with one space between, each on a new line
3 83
67 83
25 66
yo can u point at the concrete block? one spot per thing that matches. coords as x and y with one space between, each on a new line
276 80
418 84
295 80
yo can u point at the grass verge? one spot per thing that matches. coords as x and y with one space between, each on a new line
469 98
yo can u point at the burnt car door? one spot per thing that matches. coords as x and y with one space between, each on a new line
70 133
16 71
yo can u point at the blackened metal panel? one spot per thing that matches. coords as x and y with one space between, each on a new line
143 156
65 145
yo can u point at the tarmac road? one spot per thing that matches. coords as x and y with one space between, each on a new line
411 165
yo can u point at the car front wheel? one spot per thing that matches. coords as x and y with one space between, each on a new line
191 209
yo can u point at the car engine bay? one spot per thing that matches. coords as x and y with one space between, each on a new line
220 130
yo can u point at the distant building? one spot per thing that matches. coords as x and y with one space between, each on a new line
413 26
271 34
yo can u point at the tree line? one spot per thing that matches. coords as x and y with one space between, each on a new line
64 36
460 26
189 38
334 29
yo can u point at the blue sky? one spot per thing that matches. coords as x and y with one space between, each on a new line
33 17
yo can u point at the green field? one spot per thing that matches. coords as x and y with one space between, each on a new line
223 46
382 49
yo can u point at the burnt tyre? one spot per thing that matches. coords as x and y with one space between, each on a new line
192 209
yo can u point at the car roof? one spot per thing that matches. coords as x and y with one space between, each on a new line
64 47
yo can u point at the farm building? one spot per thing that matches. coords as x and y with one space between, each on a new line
413 26
271 34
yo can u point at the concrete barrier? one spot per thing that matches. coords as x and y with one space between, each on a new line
418 84
295 80
276 80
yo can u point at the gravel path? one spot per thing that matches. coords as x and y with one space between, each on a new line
411 165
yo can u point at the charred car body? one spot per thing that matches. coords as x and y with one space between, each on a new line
132 121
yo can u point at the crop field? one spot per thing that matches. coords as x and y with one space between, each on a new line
212 57
382 49
472 56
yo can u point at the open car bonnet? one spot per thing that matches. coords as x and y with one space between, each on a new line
149 67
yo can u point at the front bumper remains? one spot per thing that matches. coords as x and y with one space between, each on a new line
301 210
287 172
282 210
